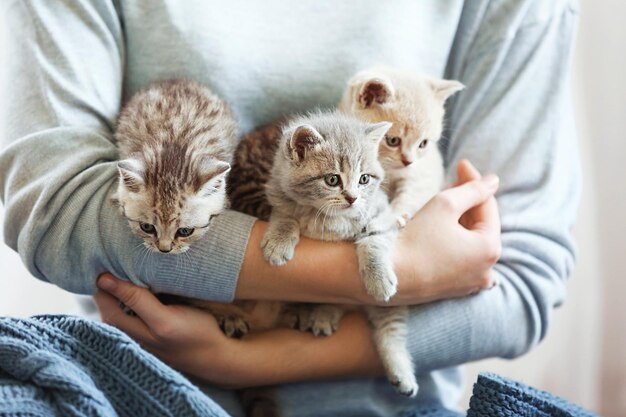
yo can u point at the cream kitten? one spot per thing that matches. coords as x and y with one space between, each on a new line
325 184
409 154
176 140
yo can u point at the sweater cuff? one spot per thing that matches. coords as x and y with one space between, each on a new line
210 269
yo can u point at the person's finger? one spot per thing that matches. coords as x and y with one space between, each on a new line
138 299
112 314
486 217
466 172
462 198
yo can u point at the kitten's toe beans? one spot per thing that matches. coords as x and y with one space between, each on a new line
233 326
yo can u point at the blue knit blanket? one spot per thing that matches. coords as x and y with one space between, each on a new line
62 365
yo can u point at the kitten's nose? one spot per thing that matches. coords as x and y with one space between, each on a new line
350 199
165 247
406 161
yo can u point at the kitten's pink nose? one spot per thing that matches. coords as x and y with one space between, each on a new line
350 199
406 161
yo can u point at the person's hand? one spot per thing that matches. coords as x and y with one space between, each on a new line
448 248
191 341
187 338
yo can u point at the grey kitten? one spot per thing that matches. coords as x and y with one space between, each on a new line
176 140
325 183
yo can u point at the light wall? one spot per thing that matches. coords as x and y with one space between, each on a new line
583 357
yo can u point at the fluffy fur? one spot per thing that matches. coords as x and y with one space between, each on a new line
415 105
325 184
176 140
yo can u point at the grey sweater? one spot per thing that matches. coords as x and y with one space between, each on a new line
71 65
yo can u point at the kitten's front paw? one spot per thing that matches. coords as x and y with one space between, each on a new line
381 282
233 326
323 322
405 383
402 220
278 251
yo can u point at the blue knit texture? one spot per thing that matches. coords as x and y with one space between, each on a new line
494 396
67 366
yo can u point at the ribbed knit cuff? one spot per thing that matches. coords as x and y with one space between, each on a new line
210 269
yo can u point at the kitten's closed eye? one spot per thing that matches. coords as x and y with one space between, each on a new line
423 144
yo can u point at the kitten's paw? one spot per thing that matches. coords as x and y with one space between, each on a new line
405 384
402 220
323 323
298 318
278 251
381 282
233 326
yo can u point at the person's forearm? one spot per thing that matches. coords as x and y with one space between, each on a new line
284 355
319 272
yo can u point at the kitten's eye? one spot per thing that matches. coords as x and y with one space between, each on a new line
423 144
147 228
184 231
332 180
393 141
365 178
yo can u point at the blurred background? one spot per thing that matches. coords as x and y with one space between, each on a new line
582 358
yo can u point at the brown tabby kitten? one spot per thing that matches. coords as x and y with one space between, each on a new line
176 140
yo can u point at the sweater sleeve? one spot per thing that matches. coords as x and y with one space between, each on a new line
513 119
65 67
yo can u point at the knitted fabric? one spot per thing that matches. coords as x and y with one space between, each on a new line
494 395
66 366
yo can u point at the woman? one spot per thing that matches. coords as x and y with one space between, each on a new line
73 63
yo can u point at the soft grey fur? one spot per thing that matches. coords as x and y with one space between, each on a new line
176 141
311 149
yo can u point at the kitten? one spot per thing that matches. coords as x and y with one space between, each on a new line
409 154
325 184
415 105
176 140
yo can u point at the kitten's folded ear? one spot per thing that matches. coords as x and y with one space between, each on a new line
211 175
445 88
132 174
376 91
304 138
376 131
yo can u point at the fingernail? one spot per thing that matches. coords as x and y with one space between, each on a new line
491 181
106 283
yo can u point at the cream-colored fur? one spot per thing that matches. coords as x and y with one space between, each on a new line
414 103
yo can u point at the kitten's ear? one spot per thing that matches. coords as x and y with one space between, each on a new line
211 175
445 88
304 138
375 132
132 174
376 91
